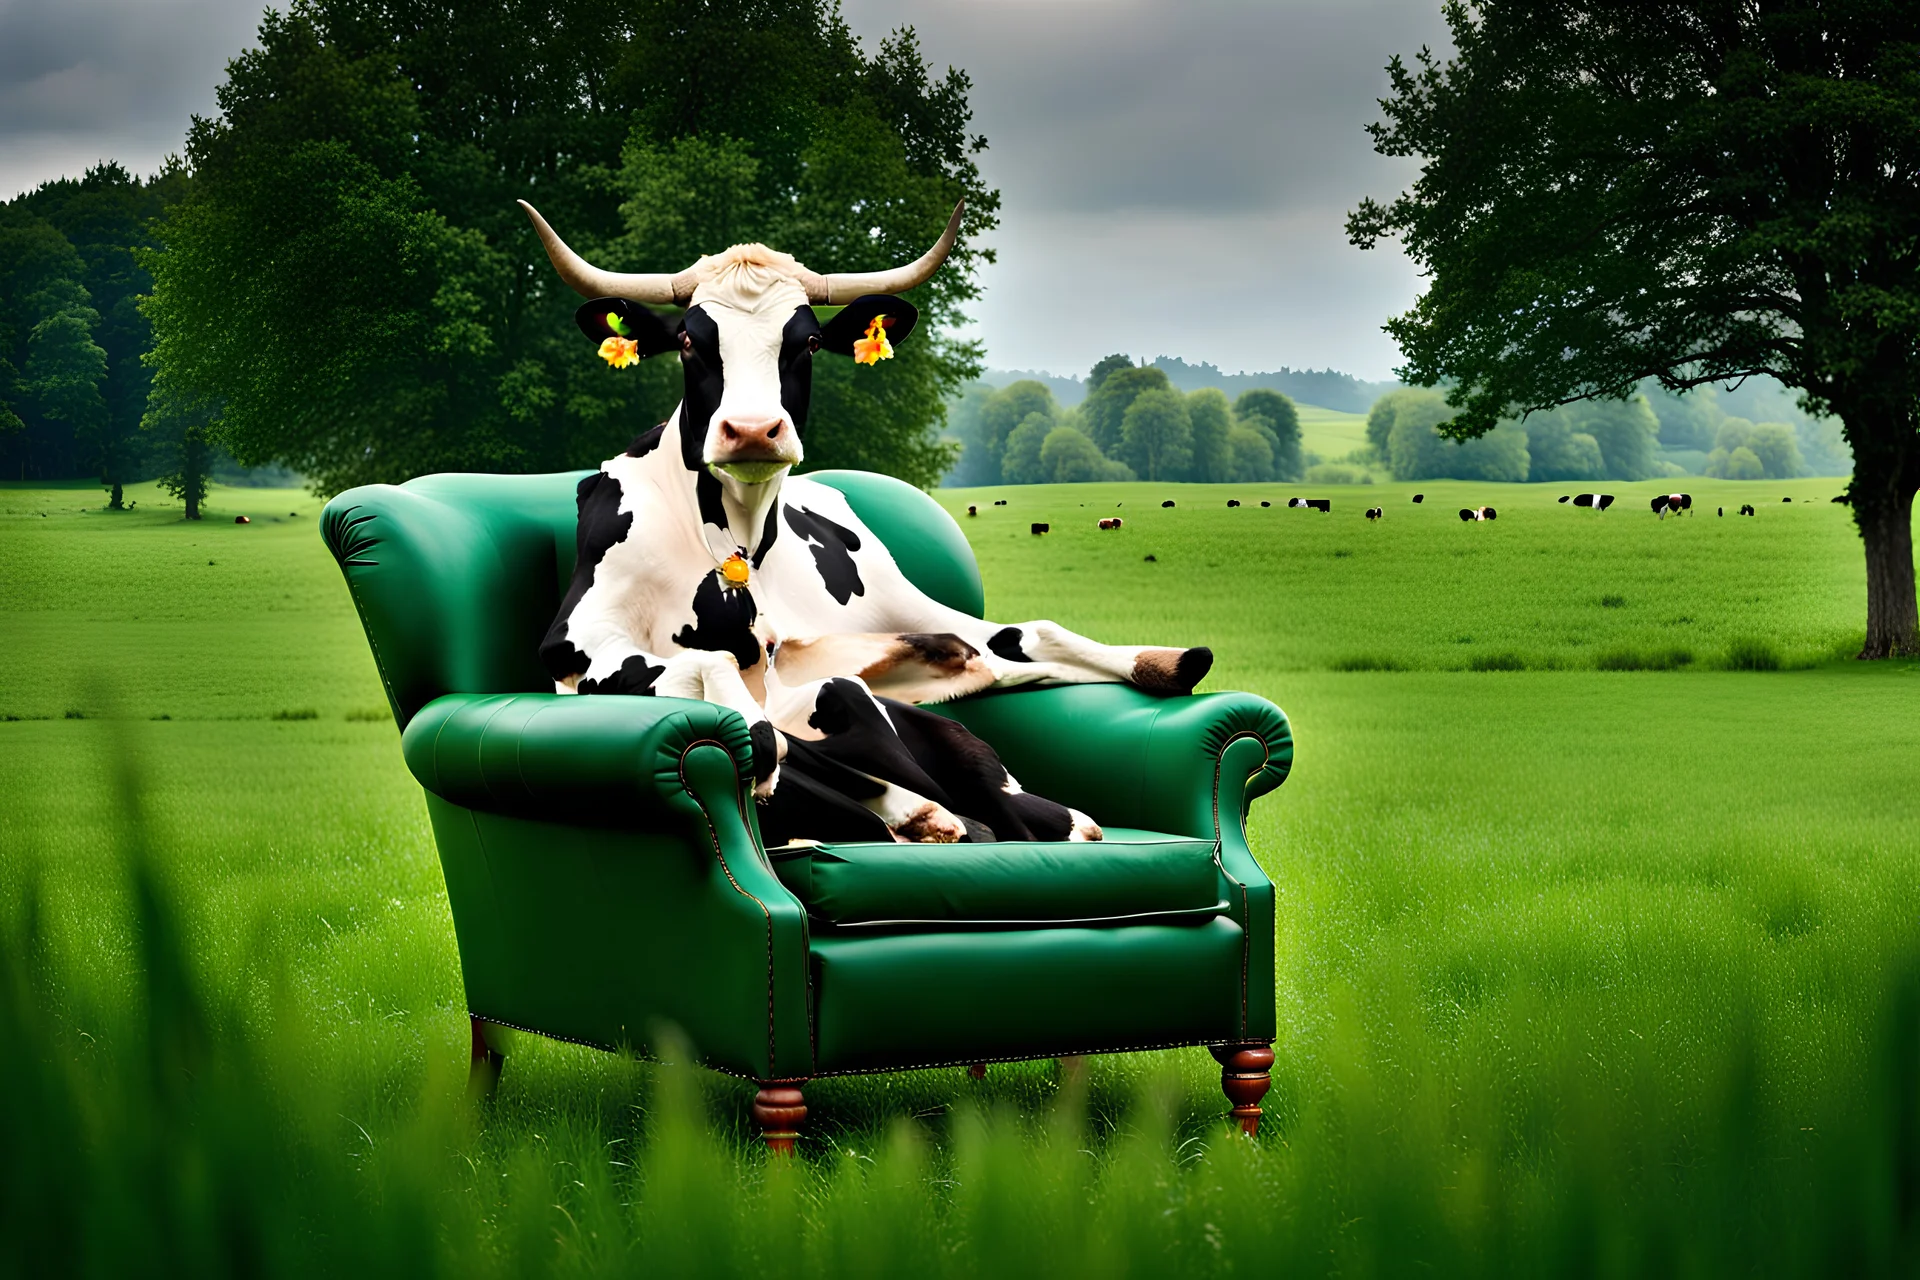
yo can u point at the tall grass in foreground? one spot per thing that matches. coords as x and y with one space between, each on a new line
163 1130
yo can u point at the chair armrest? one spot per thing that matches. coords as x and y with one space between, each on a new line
605 761
1187 766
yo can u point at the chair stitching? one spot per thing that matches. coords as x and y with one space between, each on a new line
713 834
1246 909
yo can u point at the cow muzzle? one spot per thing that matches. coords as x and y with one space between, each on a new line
753 449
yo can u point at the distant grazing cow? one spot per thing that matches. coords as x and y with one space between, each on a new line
1233 502
1598 501
1786 499
1374 513
1111 522
1719 511
1268 504
1312 504
1042 528
1419 497
999 502
241 520
1479 513
1674 502
972 510
1167 503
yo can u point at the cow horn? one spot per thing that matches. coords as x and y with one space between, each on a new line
590 281
845 286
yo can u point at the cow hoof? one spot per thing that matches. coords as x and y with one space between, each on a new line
930 824
1084 828
763 789
1171 670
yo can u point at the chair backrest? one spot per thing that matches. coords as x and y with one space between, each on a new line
457 577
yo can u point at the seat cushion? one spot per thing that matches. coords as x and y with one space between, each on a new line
1130 876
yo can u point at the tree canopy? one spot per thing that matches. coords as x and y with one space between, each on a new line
1692 192
351 289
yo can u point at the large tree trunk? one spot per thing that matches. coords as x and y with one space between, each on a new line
1884 480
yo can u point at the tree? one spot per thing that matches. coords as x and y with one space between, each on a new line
1105 409
1693 192
1417 449
1157 434
1252 455
1021 464
1276 415
1107 365
349 280
1212 423
1069 456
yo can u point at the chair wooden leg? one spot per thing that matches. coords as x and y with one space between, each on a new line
1245 1077
483 1071
779 1109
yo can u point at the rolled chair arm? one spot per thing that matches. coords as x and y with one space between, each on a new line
602 761
1188 766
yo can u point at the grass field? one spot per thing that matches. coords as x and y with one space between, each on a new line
1582 967
1331 433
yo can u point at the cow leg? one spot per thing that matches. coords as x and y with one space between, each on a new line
714 676
1029 652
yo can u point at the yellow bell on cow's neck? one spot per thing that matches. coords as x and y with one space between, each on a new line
734 571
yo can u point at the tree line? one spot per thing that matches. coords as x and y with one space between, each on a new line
1639 438
335 276
1133 424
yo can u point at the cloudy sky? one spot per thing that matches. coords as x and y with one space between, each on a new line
1176 173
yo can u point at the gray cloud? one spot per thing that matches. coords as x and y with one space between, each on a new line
1175 172
86 80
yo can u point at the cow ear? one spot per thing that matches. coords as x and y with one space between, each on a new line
897 314
605 318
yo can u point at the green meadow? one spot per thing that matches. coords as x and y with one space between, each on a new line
1599 877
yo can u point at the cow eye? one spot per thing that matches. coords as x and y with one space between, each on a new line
813 344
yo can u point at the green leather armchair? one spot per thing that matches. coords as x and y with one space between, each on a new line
606 873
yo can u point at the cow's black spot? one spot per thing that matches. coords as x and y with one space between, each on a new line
722 622
942 650
713 507
796 366
602 526
646 442
767 535
703 380
832 546
635 676
1006 643
766 751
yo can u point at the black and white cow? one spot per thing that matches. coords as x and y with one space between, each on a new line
1478 513
1597 501
1322 505
706 571
1374 513
1674 502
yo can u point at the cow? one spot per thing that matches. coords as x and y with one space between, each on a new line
1167 503
1374 513
1323 505
1039 528
1597 501
1419 497
706 570
1674 502
1478 513
1266 504
999 502
1233 502
1746 508
972 510
1111 522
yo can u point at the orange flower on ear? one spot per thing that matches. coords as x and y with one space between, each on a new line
620 352
874 348
734 571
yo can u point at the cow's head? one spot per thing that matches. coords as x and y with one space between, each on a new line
746 340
